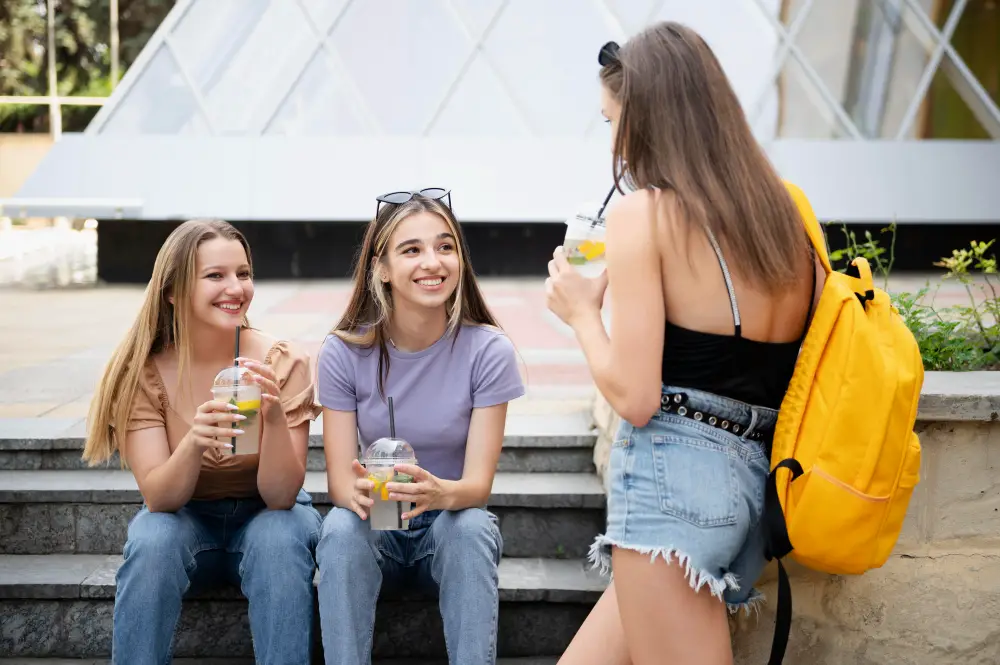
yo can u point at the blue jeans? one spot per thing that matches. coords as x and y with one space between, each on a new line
269 553
454 555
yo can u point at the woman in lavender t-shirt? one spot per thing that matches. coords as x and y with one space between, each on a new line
418 330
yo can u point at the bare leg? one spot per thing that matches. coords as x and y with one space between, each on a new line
664 620
601 639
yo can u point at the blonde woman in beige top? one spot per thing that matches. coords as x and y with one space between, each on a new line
208 515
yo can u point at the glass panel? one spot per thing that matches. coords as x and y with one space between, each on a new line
158 103
403 56
744 41
210 33
323 12
633 14
477 14
552 72
479 107
803 114
261 46
319 105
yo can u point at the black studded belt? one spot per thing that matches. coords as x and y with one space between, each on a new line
676 403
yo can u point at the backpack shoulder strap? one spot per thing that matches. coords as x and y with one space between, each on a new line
811 224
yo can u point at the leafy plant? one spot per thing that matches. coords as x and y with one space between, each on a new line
951 338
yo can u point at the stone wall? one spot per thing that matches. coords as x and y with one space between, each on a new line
937 600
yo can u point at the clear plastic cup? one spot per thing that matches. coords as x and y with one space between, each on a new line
379 460
235 385
584 243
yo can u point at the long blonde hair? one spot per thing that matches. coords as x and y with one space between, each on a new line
682 128
158 326
365 322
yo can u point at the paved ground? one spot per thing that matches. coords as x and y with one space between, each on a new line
54 342
57 329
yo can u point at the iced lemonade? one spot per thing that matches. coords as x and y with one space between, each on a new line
232 386
380 460
584 244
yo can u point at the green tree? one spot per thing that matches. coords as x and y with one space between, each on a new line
83 53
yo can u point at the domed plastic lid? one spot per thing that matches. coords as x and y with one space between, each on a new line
387 451
233 376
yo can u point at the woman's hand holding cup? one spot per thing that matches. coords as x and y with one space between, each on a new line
213 420
360 500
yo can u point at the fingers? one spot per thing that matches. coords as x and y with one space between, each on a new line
210 432
364 485
359 470
214 417
559 259
216 406
553 268
358 510
417 472
263 374
398 491
413 513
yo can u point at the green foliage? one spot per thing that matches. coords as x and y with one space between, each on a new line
951 338
83 54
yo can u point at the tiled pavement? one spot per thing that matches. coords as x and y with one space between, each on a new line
54 343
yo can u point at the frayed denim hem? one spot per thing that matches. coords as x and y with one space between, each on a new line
750 606
600 557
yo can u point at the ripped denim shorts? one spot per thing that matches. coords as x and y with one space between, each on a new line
689 486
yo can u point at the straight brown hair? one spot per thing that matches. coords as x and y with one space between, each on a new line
159 325
682 128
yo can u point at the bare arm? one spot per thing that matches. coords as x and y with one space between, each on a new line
626 365
482 454
340 447
282 467
166 480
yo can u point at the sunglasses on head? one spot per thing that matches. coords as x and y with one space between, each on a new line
396 198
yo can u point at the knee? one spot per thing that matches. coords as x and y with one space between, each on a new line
343 534
471 531
157 542
280 533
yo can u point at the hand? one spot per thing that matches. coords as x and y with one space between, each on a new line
360 501
426 491
568 293
263 375
213 420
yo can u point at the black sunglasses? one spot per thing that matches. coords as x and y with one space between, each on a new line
396 198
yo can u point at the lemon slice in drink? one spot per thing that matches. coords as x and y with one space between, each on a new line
248 405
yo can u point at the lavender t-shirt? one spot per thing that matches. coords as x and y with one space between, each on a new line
433 391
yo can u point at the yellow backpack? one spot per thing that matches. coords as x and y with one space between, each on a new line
845 458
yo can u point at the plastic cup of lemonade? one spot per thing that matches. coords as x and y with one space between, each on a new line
379 460
584 244
235 385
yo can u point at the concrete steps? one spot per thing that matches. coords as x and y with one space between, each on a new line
63 525
87 512
542 603
532 443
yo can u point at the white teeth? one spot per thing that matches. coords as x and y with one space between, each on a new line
430 282
232 308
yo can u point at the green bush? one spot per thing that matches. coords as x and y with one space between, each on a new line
954 338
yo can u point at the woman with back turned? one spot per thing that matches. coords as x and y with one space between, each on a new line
712 283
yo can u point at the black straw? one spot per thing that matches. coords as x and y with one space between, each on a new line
236 363
392 421
606 199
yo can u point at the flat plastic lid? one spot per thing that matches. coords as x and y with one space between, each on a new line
233 376
390 451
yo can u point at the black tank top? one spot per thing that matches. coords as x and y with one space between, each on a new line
731 365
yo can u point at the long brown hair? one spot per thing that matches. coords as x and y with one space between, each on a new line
682 128
158 326
365 322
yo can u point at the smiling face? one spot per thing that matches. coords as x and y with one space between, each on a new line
421 261
223 288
